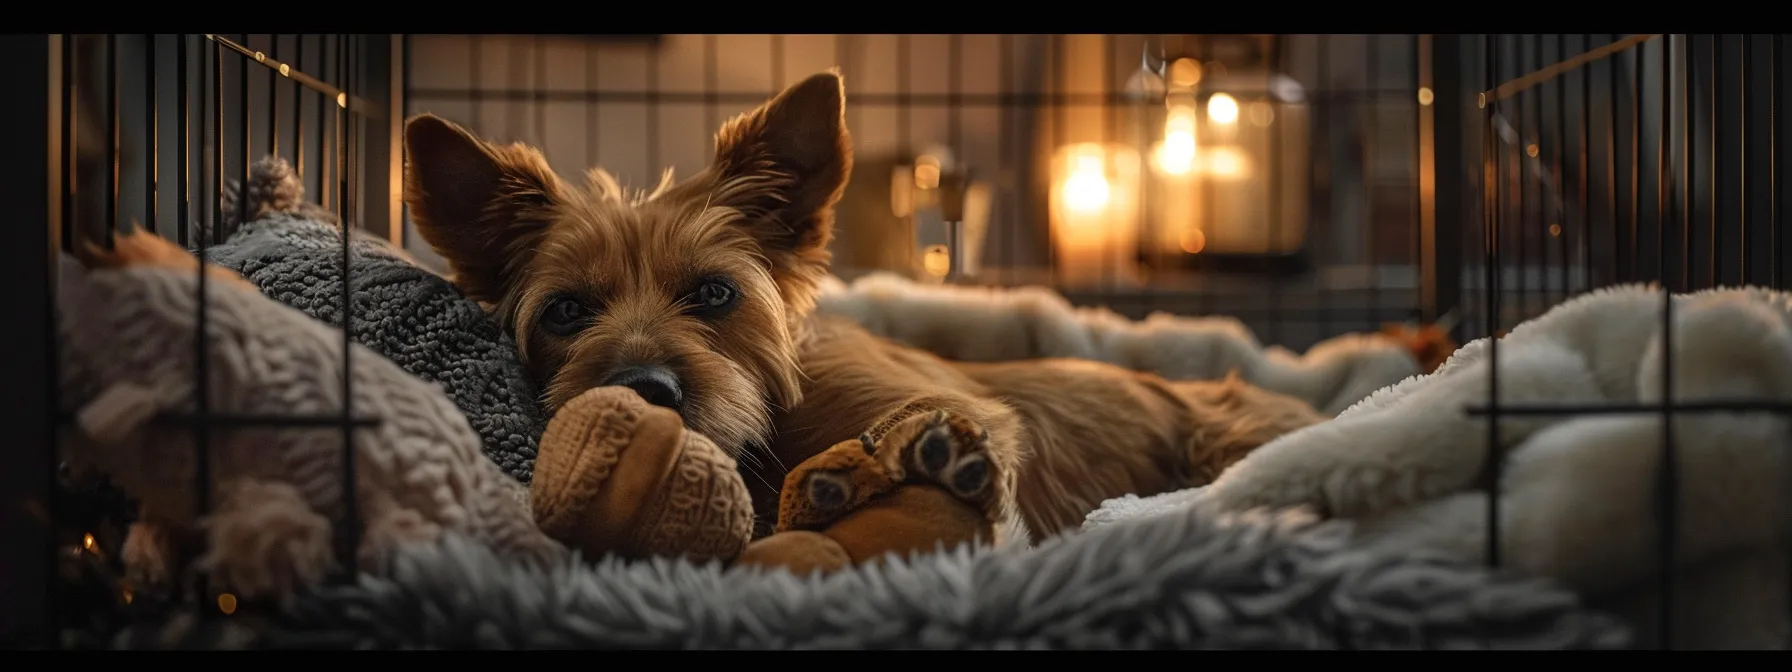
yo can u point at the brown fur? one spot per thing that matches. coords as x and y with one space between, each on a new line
1062 435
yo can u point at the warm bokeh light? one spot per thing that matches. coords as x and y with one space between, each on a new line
87 542
1094 211
1225 162
1193 241
1222 109
1086 190
927 172
227 603
1262 114
1176 155
937 261
1185 73
1425 95
1555 230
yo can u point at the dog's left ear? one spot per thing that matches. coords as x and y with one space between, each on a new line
784 165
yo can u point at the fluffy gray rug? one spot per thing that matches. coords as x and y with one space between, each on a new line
1166 582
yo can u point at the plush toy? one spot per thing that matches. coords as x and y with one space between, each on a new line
127 366
617 475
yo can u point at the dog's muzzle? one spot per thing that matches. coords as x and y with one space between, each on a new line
657 385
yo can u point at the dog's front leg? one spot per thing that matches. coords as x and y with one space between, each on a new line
934 473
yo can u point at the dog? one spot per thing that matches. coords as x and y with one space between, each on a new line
699 295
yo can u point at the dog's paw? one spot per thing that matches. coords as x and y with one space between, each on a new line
826 487
946 450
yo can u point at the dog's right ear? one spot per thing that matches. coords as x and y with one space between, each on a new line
479 205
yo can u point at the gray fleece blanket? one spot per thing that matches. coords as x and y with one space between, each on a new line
1162 581
292 251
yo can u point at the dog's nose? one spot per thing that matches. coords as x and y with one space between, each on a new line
656 384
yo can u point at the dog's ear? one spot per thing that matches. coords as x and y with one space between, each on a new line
479 205
784 165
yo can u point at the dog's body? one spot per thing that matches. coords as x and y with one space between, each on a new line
1072 432
700 294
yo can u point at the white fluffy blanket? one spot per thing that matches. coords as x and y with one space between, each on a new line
979 324
1578 493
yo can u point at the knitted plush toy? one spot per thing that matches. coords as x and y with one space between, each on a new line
127 363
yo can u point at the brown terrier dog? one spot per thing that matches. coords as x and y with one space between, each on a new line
698 296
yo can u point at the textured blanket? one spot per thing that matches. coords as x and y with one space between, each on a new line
127 359
1579 494
292 250
1179 581
987 324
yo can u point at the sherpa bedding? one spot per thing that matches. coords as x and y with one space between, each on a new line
1187 581
1578 493
980 324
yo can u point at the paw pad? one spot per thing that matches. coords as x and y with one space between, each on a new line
828 491
971 477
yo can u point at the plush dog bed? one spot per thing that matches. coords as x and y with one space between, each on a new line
1177 581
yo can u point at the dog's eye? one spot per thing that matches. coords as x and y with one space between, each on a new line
714 297
563 316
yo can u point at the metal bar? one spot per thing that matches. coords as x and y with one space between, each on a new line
1757 118
1372 119
325 164
70 133
202 457
1623 191
1557 177
1781 129
1525 177
1586 170
246 133
1275 193
1491 268
353 104
113 100
183 140
1729 175
1611 155
1323 127
298 111
40 66
153 132
1554 70
274 98
379 170
1449 216
1667 472
350 525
